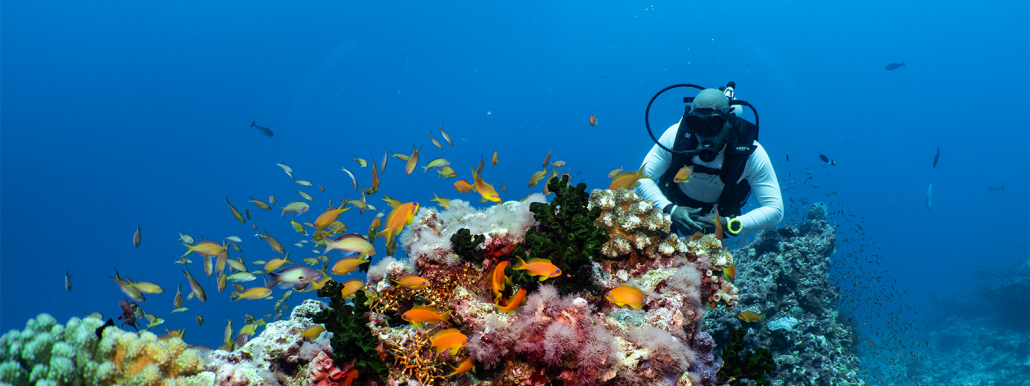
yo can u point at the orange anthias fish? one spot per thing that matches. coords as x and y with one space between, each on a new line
516 300
398 218
425 314
463 186
329 216
718 226
498 279
486 190
412 161
539 267
350 287
628 180
626 296
345 266
349 379
730 271
682 175
462 367
412 281
449 339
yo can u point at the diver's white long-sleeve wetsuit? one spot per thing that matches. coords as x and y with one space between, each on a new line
758 171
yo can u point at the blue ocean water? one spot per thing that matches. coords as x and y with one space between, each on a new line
119 114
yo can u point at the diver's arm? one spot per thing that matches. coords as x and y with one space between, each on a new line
655 164
766 189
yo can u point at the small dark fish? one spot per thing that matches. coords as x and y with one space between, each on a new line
788 157
832 162
823 157
785 232
995 188
262 129
136 236
936 156
894 66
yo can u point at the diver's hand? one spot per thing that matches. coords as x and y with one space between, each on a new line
705 223
683 218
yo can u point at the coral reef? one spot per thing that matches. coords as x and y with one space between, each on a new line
787 281
352 341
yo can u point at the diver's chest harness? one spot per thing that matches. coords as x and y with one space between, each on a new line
740 144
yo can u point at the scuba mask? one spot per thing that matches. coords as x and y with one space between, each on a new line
704 122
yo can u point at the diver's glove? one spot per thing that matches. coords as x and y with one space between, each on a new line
684 219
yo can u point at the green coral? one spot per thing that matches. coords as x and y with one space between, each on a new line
566 234
740 364
465 246
352 338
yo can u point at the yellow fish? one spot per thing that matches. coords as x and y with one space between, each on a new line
329 216
412 281
515 301
298 226
539 267
360 161
615 172
628 180
446 172
313 332
276 263
536 177
449 339
547 159
272 242
493 160
445 136
425 314
350 287
206 248
392 201
435 143
147 287
198 291
593 120
412 161
486 190
443 202
730 271
260 204
305 195
351 242
464 366
750 316
463 186
235 213
626 296
252 294
682 175
345 266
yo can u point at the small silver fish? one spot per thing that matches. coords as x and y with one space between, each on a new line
136 236
186 238
929 196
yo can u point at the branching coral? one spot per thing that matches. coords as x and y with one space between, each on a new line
352 340
634 224
414 358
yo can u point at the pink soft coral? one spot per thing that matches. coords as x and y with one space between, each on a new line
323 372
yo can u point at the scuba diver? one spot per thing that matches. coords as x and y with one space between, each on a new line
726 165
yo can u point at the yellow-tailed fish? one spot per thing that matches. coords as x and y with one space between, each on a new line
248 329
350 287
628 180
313 332
360 161
236 247
337 227
626 296
302 182
412 281
310 260
498 278
351 242
682 175
305 195
186 238
235 213
446 172
243 277
437 144
399 217
286 168
345 266
464 366
277 263
209 266
402 157
615 172
547 159
353 179
320 234
206 248
296 207
557 164
485 190
425 314
360 204
271 200
443 202
375 180
450 339
373 228
436 163
493 160
329 216
220 262
463 186
222 281
147 287
750 316
136 236
238 287
516 300
392 201
536 177
181 309
198 291
538 267
730 271
593 120
237 265
200 320
228 331
272 242
127 288
412 161
445 136
177 302
252 294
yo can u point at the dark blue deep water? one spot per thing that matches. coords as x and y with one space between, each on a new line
121 113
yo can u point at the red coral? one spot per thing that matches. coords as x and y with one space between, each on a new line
323 372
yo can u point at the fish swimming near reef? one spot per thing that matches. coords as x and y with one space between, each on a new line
894 66
626 296
262 129
750 317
